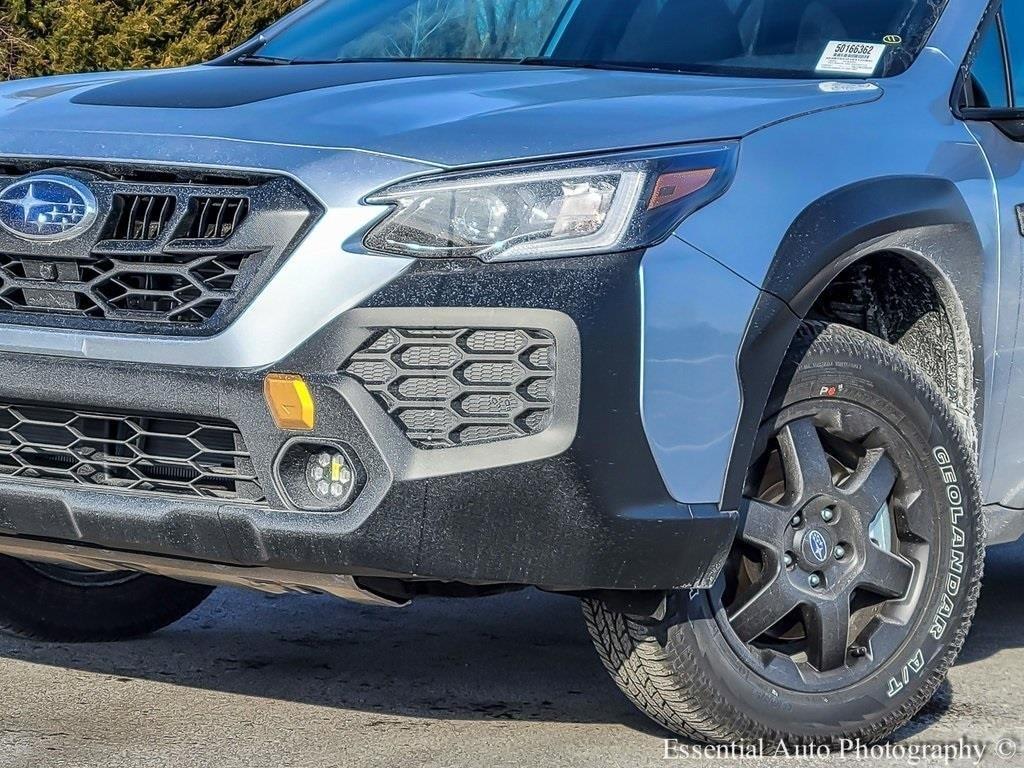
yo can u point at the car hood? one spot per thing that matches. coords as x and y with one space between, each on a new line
443 114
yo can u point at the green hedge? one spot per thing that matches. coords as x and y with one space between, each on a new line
39 37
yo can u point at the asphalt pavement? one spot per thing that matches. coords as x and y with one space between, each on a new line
254 681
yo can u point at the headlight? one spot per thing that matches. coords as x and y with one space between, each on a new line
599 205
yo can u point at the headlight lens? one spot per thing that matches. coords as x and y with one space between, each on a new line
601 205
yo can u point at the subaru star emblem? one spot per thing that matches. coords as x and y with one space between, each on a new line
817 546
47 208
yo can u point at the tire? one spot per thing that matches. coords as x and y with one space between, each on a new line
68 605
706 669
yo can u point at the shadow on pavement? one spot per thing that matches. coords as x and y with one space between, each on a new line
1000 616
524 656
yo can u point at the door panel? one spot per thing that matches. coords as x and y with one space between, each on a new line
991 86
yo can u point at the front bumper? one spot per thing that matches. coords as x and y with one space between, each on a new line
579 506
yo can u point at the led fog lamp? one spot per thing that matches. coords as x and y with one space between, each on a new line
319 476
330 476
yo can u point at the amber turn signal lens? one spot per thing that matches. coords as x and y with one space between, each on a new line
671 187
290 401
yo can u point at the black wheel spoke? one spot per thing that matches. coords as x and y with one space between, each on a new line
804 461
762 523
872 483
838 532
914 524
827 624
765 606
886 574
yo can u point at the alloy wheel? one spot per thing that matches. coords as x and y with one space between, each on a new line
822 585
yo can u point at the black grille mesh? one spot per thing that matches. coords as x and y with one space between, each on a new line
122 286
128 277
175 252
451 387
180 457
141 217
216 218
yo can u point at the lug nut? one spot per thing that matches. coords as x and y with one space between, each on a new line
827 515
839 552
796 521
787 559
814 580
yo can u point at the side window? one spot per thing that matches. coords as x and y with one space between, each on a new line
1013 23
988 86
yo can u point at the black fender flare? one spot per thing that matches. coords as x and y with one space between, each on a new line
924 219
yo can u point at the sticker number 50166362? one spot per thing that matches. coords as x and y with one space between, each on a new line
850 58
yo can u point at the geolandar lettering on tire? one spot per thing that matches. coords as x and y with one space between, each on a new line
958 554
953 582
910 670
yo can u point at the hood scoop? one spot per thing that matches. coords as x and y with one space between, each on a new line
219 86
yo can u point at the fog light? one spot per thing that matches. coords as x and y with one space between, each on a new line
323 476
330 476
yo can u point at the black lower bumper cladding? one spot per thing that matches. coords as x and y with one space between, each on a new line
578 505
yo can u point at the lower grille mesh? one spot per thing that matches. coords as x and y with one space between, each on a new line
166 290
451 387
180 457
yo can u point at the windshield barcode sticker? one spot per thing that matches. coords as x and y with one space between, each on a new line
851 58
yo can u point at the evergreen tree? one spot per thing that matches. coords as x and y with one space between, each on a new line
39 37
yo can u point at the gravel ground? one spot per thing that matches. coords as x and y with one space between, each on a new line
257 681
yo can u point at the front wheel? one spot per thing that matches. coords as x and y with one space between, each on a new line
854 577
58 603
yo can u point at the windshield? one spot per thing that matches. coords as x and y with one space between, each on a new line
770 38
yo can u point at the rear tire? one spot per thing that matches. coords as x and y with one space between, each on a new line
67 605
772 653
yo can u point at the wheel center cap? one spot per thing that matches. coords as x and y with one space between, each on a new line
816 546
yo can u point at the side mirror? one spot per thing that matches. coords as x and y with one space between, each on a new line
1009 121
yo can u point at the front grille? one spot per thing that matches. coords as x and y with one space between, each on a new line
216 218
141 217
141 454
169 254
169 290
452 387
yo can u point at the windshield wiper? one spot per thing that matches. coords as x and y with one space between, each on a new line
255 60
541 61
407 59
252 60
